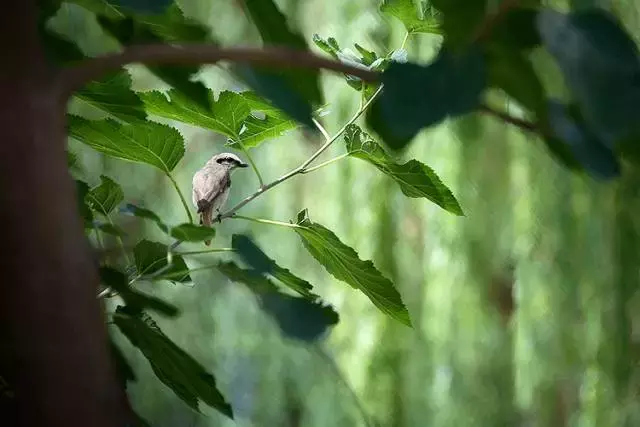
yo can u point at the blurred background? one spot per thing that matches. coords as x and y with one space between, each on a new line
524 310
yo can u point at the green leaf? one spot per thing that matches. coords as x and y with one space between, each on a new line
259 261
173 366
416 96
257 130
108 228
461 19
599 61
368 56
105 197
113 95
82 189
598 159
225 115
301 318
414 178
293 91
192 233
344 264
516 30
414 20
329 45
134 299
514 74
72 161
151 257
130 209
143 6
146 142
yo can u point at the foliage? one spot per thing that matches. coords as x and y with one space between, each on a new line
591 132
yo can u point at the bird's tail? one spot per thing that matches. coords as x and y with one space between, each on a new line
206 220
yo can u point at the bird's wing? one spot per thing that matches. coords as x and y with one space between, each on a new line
208 184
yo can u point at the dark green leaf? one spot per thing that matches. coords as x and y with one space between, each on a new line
416 96
105 197
82 189
514 74
151 258
329 45
173 366
108 228
516 30
259 261
344 264
600 65
146 142
129 31
461 19
414 20
113 95
596 158
225 116
134 210
134 299
414 178
72 161
143 6
301 318
59 49
192 233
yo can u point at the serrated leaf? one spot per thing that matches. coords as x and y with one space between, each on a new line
225 116
329 45
259 261
514 74
461 19
192 232
516 30
146 142
173 366
415 96
134 299
131 209
105 197
343 263
151 257
82 189
368 56
301 318
113 95
414 20
598 159
256 130
414 178
601 66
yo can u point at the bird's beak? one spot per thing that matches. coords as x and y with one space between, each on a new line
243 165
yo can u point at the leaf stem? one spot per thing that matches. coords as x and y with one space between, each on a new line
182 199
521 123
266 221
302 168
251 162
73 78
322 130
323 164
205 251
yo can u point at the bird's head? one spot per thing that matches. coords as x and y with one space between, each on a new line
227 160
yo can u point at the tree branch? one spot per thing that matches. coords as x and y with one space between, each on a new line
521 123
75 77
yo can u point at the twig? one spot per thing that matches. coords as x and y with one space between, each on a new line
182 199
328 162
303 167
75 77
266 221
521 123
487 26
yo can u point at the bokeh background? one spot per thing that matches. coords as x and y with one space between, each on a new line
524 310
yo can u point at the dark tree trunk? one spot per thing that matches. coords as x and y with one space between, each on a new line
53 342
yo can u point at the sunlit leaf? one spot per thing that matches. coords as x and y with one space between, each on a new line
601 66
225 116
415 96
598 159
151 259
192 232
105 197
147 142
414 178
173 366
260 262
343 263
414 20
113 95
134 299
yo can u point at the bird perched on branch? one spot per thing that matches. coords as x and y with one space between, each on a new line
211 186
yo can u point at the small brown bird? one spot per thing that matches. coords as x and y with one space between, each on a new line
211 186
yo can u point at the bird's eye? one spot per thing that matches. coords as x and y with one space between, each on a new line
220 161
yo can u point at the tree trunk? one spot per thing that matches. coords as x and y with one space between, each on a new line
53 337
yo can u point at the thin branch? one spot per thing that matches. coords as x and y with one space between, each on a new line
75 77
487 26
521 123
302 168
322 130
323 164
182 199
266 221
205 251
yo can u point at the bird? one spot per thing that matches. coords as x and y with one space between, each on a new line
211 186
